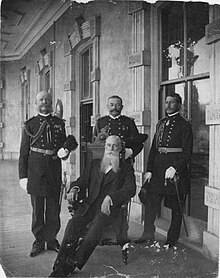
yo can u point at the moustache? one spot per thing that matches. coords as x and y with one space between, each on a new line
45 105
112 153
114 110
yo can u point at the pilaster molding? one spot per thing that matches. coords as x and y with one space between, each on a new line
67 47
95 27
211 245
44 62
71 121
94 118
72 158
48 59
212 32
142 58
141 118
136 6
139 177
212 196
95 75
24 74
1 83
70 85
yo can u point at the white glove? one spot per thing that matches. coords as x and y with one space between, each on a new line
106 204
170 173
23 183
147 176
62 153
73 194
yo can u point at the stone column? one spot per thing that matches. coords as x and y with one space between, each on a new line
140 65
1 117
211 235
71 98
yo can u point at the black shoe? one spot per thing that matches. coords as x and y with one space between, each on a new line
65 271
150 243
71 273
169 244
37 248
55 246
58 272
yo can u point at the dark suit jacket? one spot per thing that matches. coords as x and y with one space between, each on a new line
120 186
177 134
43 171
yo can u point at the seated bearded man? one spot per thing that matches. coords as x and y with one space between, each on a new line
109 182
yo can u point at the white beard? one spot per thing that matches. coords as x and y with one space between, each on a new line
110 161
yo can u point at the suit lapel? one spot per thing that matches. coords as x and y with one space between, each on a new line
111 176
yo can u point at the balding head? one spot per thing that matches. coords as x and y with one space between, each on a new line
113 143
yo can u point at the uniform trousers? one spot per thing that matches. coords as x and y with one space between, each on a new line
152 208
45 218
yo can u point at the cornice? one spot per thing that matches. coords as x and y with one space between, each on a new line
39 25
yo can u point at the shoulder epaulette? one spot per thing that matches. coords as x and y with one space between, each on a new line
28 120
102 117
127 117
162 119
59 118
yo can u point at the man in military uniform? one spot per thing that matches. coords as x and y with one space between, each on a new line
168 161
43 145
120 125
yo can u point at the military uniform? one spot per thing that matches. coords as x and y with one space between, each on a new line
171 146
42 137
122 126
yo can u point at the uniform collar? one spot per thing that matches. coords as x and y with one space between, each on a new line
174 114
44 115
117 117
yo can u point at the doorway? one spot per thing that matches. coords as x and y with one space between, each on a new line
86 111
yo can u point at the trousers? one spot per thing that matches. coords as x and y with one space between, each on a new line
152 208
45 218
70 249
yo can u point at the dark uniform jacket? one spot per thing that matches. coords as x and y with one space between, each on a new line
124 127
120 186
175 132
43 171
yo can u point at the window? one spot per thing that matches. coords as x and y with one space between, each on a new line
86 74
25 93
185 70
184 52
86 106
45 80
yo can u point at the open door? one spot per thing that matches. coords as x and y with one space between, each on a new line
86 111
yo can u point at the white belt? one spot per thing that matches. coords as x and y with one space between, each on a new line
43 151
